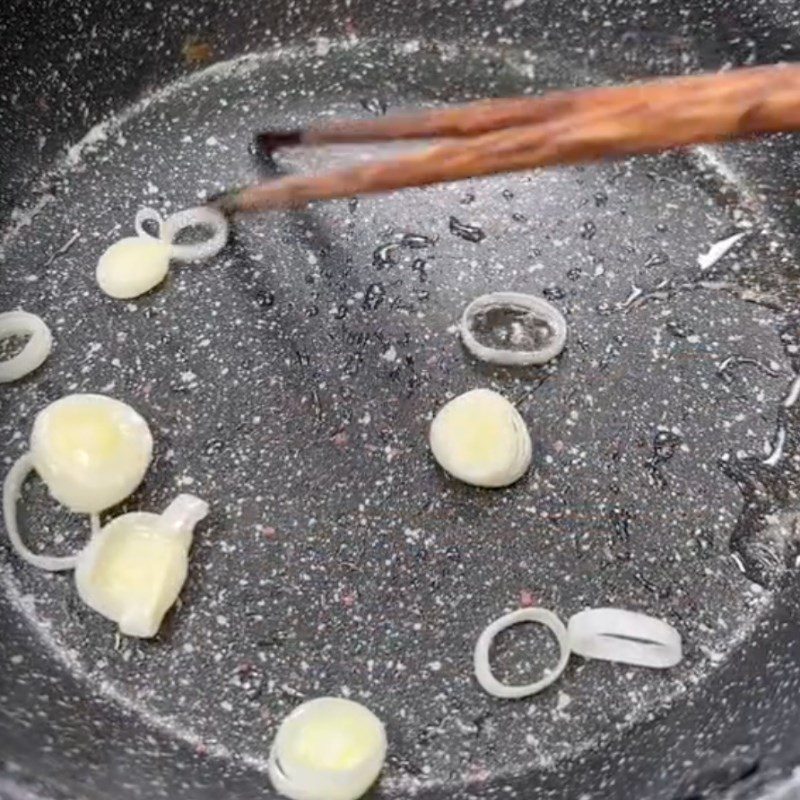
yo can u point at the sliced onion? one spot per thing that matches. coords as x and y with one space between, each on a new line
12 489
148 215
538 308
480 438
283 785
36 349
628 637
132 266
300 781
203 217
483 668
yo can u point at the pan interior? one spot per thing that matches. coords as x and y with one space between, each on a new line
290 382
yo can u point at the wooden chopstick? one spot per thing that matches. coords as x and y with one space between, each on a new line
484 116
495 136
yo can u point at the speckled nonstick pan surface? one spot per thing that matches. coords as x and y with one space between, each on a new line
290 382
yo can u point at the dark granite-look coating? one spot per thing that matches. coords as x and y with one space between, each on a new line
290 381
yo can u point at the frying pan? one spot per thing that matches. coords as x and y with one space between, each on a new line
291 380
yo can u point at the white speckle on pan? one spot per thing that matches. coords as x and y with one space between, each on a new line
23 217
777 448
717 251
636 292
794 393
93 137
169 726
709 156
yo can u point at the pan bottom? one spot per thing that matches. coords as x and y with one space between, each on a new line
290 382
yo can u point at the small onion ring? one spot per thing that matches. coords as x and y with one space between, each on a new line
483 669
523 302
12 488
148 215
36 349
202 216
627 637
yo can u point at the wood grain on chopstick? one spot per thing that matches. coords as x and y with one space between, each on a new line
495 136
484 116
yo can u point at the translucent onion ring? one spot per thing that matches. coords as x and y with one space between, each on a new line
148 215
12 489
483 669
204 217
36 349
627 637
523 302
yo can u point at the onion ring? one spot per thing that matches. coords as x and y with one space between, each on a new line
203 217
148 215
540 309
12 488
483 669
36 349
627 637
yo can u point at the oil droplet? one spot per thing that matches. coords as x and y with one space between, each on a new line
384 255
554 293
214 446
678 329
470 233
265 299
375 105
656 259
416 241
419 266
374 296
511 328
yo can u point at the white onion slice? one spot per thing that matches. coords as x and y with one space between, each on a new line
36 349
12 489
480 438
297 745
91 451
133 266
203 217
148 215
483 668
628 637
539 309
